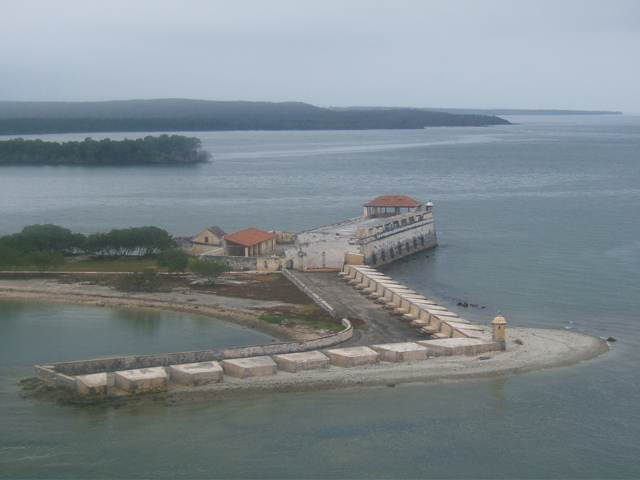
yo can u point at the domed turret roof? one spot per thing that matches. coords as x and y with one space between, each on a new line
499 320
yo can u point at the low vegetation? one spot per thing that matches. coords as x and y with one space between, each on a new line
309 315
145 281
209 269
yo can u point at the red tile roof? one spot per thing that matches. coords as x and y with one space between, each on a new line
249 237
393 201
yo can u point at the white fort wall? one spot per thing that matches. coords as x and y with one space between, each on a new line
378 241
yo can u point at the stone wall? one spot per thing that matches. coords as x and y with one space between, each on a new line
48 374
398 240
290 347
63 374
237 263
393 238
114 364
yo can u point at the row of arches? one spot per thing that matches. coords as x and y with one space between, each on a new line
398 250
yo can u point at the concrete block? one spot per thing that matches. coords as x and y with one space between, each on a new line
295 362
428 330
401 352
194 374
459 346
443 314
93 384
250 367
353 356
464 332
143 380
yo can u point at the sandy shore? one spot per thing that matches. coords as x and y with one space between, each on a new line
540 349
244 312
536 349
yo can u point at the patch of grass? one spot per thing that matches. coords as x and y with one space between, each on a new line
125 265
312 309
322 325
310 315
275 319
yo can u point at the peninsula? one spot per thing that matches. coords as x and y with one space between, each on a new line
170 115
390 334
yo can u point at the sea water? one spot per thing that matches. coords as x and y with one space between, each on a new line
540 220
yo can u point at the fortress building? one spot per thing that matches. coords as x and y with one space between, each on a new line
393 227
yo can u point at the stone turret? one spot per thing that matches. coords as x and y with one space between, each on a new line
499 325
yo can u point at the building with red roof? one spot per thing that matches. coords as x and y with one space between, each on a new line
389 205
250 242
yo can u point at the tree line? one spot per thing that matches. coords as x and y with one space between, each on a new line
163 149
45 247
42 244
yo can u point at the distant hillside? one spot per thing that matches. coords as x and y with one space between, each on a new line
494 111
18 118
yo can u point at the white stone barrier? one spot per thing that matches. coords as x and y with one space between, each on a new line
290 347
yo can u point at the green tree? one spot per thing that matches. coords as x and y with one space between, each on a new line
174 260
151 240
44 261
96 244
10 257
210 269
50 238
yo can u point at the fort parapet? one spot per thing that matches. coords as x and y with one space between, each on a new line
393 227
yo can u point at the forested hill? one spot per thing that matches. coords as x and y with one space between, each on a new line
19 118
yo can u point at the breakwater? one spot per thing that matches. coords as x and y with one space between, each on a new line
73 375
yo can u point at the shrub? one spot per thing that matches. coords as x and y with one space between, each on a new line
145 281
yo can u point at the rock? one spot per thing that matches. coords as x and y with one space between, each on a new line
518 341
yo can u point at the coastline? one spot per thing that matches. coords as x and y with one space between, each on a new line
540 350
536 349
235 310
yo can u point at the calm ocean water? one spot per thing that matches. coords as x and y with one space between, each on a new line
540 220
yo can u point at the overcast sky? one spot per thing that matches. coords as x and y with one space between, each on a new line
559 54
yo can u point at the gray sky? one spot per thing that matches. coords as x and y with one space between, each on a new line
564 54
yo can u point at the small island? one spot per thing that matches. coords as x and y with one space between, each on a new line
164 149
